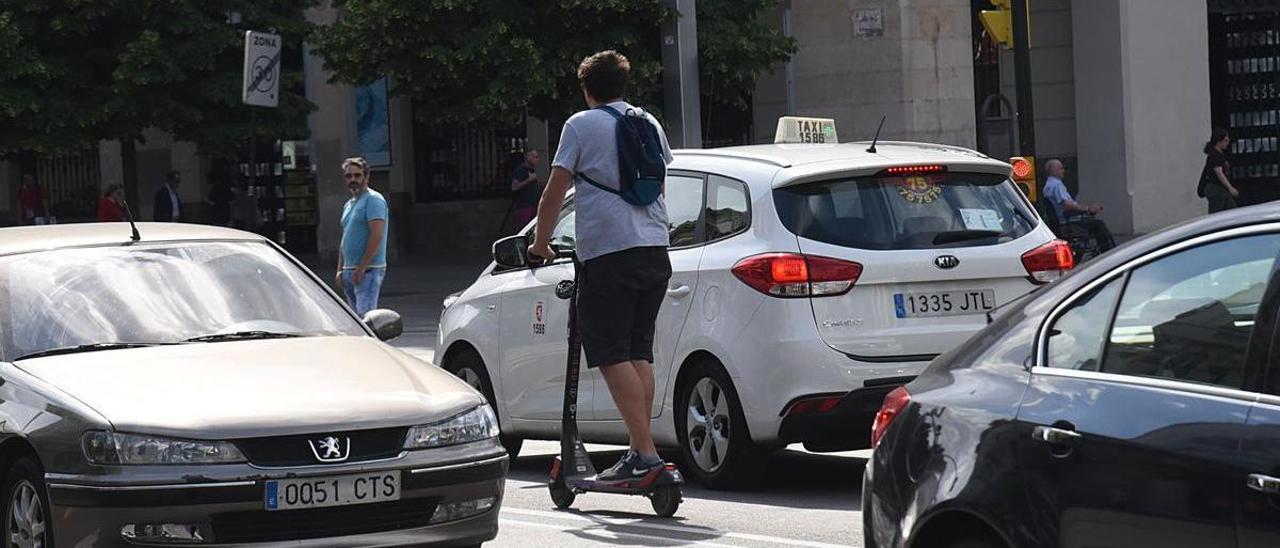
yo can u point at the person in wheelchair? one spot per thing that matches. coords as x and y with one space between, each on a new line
1072 219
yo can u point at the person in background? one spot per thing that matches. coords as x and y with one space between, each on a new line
1067 209
111 206
1214 185
33 203
168 207
219 201
526 190
362 254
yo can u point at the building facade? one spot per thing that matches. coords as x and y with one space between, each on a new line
1125 92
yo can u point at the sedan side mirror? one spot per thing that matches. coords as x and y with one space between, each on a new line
511 252
386 324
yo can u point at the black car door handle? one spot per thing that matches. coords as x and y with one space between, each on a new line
1055 436
1264 484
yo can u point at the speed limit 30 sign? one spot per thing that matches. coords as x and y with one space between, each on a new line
261 83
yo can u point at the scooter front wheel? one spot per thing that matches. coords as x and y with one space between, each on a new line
561 495
666 500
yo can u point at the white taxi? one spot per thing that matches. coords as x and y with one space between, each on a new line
809 280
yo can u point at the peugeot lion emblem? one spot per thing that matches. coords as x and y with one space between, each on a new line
946 261
331 449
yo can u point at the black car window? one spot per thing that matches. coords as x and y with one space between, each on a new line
727 209
1188 316
1076 337
684 208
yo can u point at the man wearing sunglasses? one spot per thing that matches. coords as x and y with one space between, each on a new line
362 257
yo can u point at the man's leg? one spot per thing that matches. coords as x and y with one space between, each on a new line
368 290
1101 233
628 390
644 370
349 290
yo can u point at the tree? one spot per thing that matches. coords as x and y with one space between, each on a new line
489 62
73 72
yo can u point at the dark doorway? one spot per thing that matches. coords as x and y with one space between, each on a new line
1244 76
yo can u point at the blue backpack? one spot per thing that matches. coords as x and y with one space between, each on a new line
641 166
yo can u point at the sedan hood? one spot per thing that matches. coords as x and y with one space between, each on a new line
230 390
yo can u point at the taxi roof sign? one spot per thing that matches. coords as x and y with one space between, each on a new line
799 129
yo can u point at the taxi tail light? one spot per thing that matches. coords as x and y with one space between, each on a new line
893 405
1049 262
797 275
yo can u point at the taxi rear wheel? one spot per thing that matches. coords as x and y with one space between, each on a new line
468 366
714 441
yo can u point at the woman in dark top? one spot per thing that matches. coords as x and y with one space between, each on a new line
1214 185
111 206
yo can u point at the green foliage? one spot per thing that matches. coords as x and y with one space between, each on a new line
76 71
490 61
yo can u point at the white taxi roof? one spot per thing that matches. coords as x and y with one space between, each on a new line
793 163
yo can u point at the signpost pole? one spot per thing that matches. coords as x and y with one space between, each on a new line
253 148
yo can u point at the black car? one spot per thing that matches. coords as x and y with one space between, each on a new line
1135 402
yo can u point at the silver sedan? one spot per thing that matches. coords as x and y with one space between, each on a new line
200 387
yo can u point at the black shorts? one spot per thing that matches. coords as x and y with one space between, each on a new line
619 296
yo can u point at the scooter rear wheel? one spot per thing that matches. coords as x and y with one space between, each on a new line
561 495
666 500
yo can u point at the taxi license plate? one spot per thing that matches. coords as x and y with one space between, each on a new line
943 303
290 494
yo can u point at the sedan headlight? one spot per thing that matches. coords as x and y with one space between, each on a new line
474 425
117 448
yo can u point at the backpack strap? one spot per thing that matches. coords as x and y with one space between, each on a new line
612 111
589 180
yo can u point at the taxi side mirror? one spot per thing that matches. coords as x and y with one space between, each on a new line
511 252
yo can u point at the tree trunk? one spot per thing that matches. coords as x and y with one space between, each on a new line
129 169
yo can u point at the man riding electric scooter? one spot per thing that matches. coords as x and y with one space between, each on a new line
620 152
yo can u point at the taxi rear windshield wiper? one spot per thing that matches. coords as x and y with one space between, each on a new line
85 348
242 336
964 235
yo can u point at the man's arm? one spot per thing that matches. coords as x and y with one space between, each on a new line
517 184
377 229
338 276
549 211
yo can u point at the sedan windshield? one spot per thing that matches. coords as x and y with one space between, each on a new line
112 297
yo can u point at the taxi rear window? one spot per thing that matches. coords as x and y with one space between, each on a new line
927 211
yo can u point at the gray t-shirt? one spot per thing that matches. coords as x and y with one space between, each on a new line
605 223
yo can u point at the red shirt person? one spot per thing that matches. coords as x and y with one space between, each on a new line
110 207
32 202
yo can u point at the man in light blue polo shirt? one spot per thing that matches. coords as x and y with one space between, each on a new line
1067 210
362 262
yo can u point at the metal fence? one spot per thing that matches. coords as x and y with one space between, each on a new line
463 163
71 183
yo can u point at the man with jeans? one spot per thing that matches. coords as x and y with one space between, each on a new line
362 259
623 250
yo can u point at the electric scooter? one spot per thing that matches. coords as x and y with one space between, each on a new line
572 472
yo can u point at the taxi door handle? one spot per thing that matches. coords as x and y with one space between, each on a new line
1264 484
491 307
678 292
1055 436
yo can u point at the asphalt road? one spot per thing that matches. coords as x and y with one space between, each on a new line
802 499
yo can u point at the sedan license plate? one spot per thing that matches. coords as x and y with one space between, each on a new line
289 494
943 303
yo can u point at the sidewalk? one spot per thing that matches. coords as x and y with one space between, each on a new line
416 288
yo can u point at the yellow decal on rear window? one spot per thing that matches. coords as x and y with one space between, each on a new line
918 190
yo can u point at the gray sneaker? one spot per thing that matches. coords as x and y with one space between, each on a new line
629 467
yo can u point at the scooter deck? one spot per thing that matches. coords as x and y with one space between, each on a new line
664 475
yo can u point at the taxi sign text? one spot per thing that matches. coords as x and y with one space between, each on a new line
796 129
